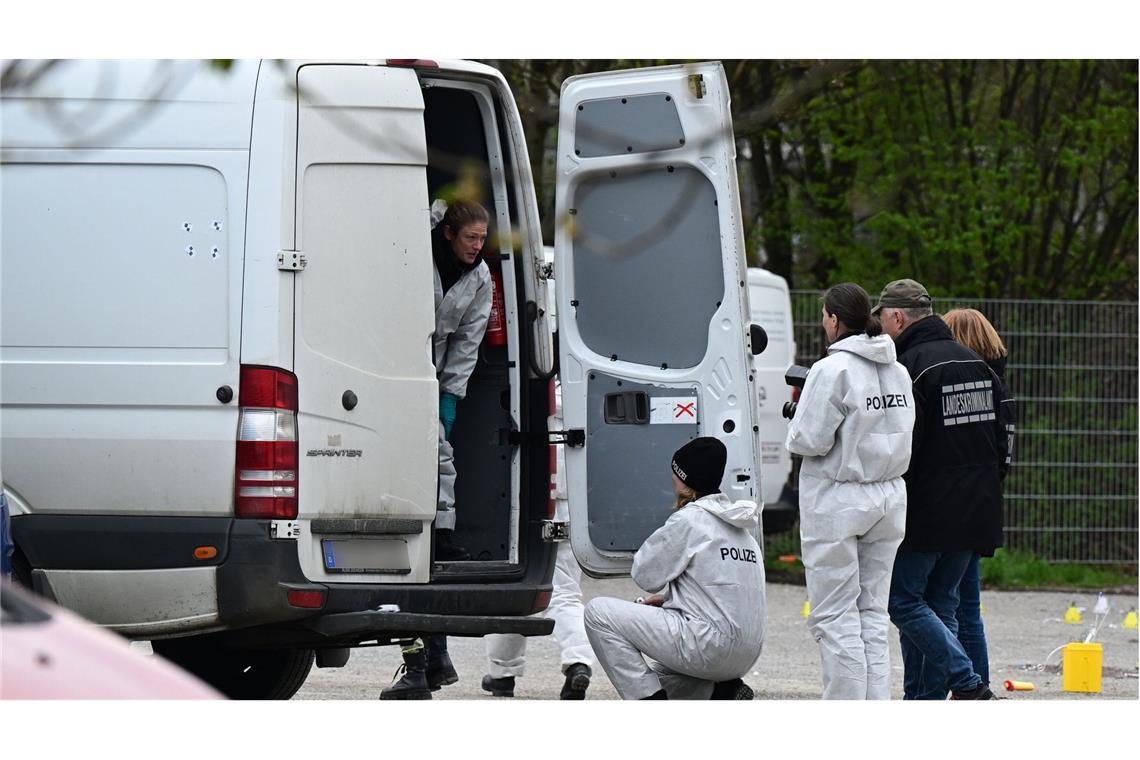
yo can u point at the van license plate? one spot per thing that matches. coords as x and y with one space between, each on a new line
366 555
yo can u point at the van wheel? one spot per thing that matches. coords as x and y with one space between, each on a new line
240 673
21 570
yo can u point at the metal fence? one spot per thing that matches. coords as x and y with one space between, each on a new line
1072 493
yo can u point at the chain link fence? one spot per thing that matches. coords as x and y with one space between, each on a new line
1072 493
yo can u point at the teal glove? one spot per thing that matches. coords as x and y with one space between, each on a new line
447 403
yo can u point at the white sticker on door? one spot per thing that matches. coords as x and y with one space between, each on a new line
672 410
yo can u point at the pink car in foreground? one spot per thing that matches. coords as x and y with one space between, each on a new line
50 653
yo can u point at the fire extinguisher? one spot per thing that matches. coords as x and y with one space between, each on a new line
496 335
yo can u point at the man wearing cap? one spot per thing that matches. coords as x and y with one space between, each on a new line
705 629
953 489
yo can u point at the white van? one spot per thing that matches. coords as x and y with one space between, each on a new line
219 406
771 308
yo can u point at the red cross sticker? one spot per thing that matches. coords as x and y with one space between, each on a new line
686 409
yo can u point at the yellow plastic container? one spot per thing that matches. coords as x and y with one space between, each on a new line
1081 666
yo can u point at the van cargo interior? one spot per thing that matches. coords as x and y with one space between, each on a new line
486 524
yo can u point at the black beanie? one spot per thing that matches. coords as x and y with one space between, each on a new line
700 464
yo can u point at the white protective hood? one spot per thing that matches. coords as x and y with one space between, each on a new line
740 514
855 415
707 562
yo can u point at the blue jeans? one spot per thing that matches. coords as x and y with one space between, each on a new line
970 631
923 605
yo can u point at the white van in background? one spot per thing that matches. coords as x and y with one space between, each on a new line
771 308
219 405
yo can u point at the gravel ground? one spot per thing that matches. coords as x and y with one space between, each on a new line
1022 628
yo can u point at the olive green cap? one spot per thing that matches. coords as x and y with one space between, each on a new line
902 294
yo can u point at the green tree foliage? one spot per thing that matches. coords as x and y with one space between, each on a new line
987 178
980 178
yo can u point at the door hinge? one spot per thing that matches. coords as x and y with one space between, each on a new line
284 529
555 531
290 261
574 438
697 85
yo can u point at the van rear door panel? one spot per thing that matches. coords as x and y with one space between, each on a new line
649 263
365 313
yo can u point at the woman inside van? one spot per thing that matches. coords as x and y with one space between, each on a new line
853 428
706 628
462 308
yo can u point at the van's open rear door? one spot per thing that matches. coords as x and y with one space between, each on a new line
364 311
650 273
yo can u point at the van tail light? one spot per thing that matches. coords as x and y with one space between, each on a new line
554 418
265 483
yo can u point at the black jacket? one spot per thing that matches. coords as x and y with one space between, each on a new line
959 451
1008 407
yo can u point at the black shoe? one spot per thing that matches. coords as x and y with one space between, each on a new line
499 687
981 691
659 694
414 683
440 670
734 689
446 550
577 681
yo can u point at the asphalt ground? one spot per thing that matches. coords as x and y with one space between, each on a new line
1024 630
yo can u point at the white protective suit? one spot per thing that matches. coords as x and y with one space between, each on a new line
853 428
506 652
711 626
460 321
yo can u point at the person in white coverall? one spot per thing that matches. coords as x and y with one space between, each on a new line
707 627
462 308
853 428
506 652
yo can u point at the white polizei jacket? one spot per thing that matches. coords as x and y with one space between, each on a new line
706 555
853 427
460 321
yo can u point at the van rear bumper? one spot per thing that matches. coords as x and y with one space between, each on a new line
253 574
404 624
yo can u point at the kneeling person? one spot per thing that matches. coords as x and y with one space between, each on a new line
707 628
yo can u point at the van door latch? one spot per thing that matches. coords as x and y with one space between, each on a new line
555 531
290 261
626 408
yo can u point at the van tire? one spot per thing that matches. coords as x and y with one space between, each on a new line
21 570
240 673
